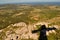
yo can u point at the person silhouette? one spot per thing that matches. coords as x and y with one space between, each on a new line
42 31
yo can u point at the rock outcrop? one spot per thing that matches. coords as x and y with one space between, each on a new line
21 30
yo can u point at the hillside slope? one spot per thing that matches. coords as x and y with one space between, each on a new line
17 22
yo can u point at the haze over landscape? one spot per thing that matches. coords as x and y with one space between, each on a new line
25 1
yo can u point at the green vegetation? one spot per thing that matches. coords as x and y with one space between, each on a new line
10 14
2 35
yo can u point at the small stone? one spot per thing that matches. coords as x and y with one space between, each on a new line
50 31
47 33
53 31
11 39
0 30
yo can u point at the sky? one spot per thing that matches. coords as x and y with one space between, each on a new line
21 1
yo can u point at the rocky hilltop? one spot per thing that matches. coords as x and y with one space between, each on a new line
22 31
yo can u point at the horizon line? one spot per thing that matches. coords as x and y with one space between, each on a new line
26 2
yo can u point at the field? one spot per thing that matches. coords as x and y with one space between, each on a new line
29 14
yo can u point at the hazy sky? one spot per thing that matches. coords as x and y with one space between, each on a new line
17 1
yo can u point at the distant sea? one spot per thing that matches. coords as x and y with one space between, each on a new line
43 3
37 3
